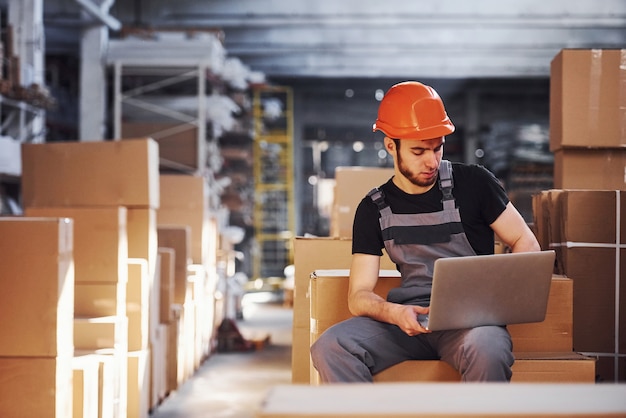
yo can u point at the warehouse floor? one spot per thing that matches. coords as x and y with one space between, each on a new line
233 384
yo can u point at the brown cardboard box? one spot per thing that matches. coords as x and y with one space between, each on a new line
537 367
37 297
395 400
351 185
36 387
572 168
311 254
167 258
142 236
178 238
109 388
184 202
99 299
329 295
138 305
91 173
586 99
138 384
100 241
590 239
86 376
100 332
179 145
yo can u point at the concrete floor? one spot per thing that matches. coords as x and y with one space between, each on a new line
233 384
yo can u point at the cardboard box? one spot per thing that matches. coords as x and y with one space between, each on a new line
179 239
36 387
167 257
106 332
329 296
86 381
37 277
311 254
100 299
395 400
138 306
96 260
589 236
587 104
329 293
180 147
91 173
184 202
537 367
351 185
142 236
138 384
110 389
571 168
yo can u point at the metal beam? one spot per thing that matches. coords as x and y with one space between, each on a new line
99 13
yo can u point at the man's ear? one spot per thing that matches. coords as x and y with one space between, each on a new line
389 144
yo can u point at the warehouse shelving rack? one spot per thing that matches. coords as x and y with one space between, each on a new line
274 219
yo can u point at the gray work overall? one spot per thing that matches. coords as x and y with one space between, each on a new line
360 347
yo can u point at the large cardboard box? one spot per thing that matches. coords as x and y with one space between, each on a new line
180 147
310 254
167 257
141 227
138 305
100 299
588 231
36 387
395 400
535 367
37 278
184 202
179 239
571 168
587 101
351 185
100 241
138 384
91 173
329 292
86 381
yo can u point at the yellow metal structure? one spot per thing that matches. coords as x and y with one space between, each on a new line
274 220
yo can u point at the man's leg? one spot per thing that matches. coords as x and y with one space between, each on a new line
355 349
482 354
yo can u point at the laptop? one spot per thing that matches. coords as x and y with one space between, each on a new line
498 289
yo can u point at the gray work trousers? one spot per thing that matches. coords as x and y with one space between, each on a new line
356 349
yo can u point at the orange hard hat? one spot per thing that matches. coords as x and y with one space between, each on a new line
412 110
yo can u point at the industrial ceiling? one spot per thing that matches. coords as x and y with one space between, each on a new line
365 38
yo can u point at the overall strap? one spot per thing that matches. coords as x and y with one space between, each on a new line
446 184
378 197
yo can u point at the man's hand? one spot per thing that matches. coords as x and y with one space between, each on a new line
406 319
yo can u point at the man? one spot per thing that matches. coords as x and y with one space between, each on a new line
429 209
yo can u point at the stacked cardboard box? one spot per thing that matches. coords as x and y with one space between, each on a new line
351 185
581 217
111 190
185 203
586 230
543 351
587 118
37 311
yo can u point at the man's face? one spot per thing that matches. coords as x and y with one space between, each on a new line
418 161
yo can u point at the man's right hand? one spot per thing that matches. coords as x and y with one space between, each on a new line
406 319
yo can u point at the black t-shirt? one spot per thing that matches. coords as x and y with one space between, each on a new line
479 196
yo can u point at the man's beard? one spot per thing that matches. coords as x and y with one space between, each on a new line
412 177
